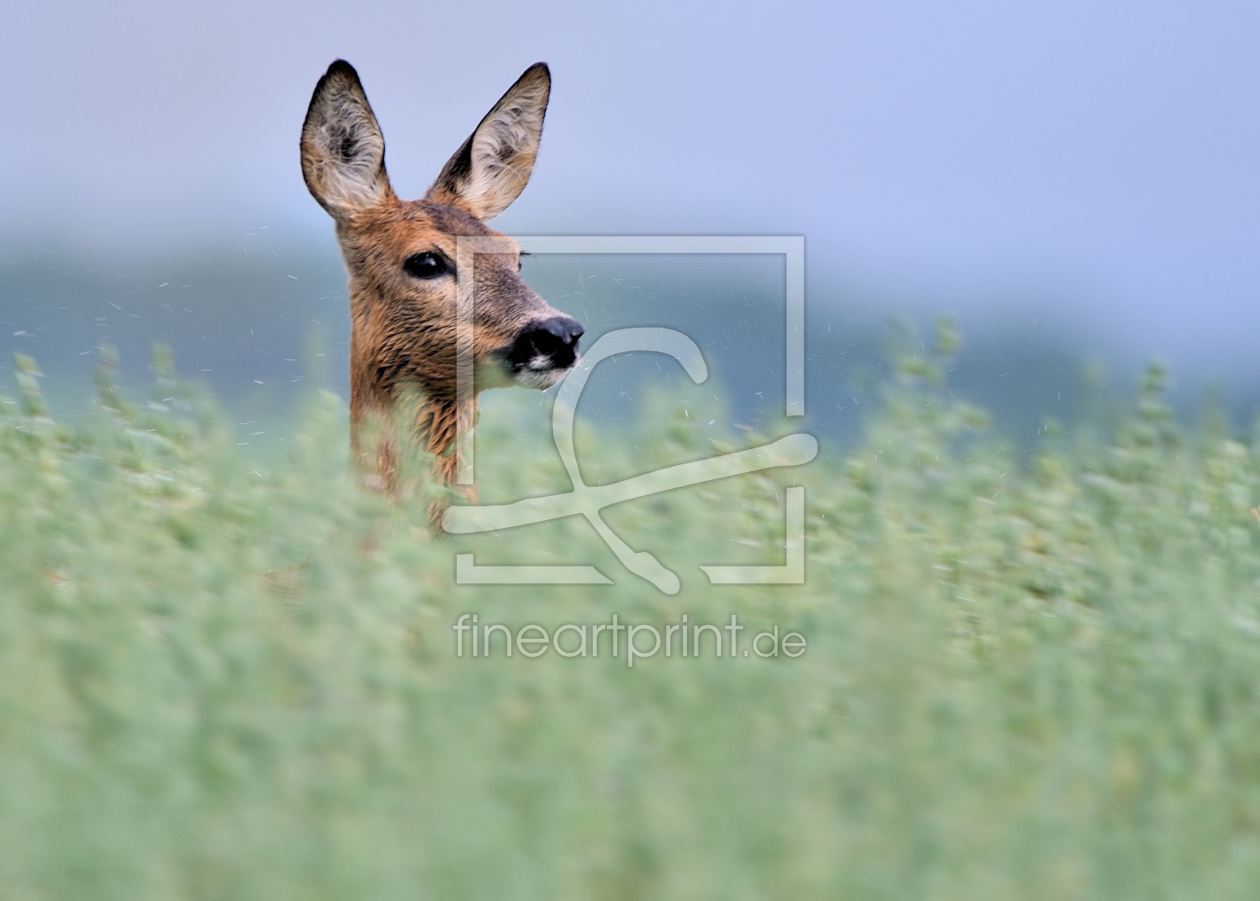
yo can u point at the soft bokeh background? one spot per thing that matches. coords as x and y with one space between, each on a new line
1073 181
227 672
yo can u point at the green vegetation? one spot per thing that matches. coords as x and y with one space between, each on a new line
225 675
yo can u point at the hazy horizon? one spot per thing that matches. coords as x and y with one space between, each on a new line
1079 168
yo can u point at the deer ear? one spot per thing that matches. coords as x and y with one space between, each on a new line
343 150
491 168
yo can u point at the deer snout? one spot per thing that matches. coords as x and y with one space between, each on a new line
544 351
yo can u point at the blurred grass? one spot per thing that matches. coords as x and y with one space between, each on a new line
224 679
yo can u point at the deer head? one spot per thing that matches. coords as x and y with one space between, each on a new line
406 270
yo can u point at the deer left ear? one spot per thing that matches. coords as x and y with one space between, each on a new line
492 167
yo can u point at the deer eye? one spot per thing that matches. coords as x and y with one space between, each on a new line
425 265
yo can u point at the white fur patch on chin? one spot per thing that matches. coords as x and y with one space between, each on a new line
542 379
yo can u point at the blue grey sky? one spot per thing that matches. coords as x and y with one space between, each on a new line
1095 159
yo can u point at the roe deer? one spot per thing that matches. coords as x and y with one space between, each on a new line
405 271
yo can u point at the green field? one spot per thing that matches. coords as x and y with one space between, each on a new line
226 672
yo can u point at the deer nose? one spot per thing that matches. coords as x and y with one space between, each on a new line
549 343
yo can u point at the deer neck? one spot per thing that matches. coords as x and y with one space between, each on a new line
407 418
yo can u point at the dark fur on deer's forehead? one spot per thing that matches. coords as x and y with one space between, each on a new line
402 228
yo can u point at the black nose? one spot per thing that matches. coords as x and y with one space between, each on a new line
548 343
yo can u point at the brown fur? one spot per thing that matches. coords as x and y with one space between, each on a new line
403 328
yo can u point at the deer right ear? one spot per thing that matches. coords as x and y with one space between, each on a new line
491 168
343 150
